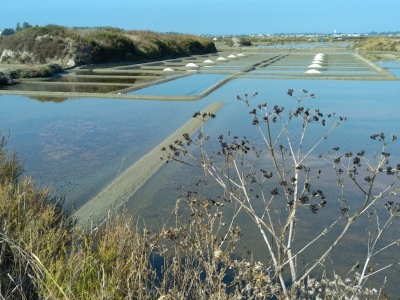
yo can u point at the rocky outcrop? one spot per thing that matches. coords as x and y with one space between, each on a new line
48 50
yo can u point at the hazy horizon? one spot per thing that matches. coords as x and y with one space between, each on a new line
211 16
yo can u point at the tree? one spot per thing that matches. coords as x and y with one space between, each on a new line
7 31
18 27
26 25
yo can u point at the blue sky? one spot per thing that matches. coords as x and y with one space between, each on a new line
211 16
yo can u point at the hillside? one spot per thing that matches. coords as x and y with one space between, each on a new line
379 44
53 44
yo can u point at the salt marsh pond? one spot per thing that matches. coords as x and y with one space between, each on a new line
78 144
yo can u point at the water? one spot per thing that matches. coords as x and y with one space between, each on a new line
355 100
100 79
190 85
392 66
54 87
78 146
305 46
118 72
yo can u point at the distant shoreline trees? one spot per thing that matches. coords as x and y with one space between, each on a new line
18 27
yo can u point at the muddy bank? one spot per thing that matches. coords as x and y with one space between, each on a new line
115 195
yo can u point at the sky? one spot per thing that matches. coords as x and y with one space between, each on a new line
215 17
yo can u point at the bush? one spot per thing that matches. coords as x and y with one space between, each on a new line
246 42
34 230
153 45
110 45
34 71
7 31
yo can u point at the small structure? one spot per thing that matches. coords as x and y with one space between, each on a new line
232 56
168 70
313 71
240 54
221 58
191 65
208 61
314 66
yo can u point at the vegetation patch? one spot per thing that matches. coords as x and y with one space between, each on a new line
379 44
70 46
34 71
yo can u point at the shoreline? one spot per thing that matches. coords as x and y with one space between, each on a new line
117 193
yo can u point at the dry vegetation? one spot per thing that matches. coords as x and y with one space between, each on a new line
379 44
97 45
34 71
45 255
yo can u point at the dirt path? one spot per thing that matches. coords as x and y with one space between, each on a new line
116 194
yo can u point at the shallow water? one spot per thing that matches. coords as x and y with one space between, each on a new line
118 73
395 72
358 101
102 79
78 146
305 46
392 66
190 85
54 87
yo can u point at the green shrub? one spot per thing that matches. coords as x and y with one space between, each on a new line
245 42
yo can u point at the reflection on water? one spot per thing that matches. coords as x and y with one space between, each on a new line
118 72
100 79
49 99
77 146
189 85
369 108
43 87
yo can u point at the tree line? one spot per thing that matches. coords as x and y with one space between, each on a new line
18 27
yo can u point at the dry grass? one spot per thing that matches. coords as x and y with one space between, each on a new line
379 44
